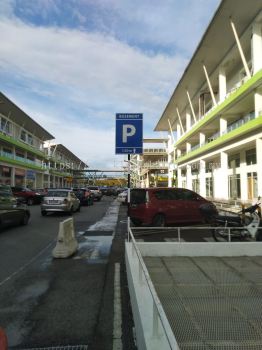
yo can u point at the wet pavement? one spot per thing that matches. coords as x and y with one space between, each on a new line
60 302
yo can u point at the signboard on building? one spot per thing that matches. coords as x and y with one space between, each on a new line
30 174
129 133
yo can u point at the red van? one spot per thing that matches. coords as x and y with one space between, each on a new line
164 206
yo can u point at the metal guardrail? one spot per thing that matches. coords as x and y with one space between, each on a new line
143 231
158 311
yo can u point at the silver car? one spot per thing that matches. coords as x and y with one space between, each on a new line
60 200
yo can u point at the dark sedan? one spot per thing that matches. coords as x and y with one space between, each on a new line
11 213
85 196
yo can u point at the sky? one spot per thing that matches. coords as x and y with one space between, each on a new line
71 65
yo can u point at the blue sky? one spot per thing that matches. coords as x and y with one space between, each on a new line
72 64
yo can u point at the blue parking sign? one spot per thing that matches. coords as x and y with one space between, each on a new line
129 133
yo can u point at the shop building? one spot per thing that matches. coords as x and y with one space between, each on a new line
63 168
150 169
25 160
215 111
21 147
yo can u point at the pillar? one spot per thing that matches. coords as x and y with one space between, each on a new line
258 103
202 178
223 126
189 177
259 168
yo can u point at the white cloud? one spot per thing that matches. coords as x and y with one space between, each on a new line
93 70
74 81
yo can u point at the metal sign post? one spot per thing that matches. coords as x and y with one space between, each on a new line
129 140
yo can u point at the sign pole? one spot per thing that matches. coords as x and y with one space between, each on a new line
129 140
128 195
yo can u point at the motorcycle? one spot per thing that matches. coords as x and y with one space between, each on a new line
227 226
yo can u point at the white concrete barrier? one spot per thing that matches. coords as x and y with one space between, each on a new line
66 244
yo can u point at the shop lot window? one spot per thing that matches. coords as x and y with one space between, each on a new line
234 161
23 136
195 185
209 187
252 185
30 139
234 185
5 125
251 156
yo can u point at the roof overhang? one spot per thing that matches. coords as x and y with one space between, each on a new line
62 149
217 41
15 114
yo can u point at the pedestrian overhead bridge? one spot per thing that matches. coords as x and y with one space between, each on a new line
196 295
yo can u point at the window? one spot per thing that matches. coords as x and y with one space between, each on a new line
196 185
252 186
5 125
209 187
234 186
251 156
30 139
234 161
23 135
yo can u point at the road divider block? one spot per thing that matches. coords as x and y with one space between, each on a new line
66 244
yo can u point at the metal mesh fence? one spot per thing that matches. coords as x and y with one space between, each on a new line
210 302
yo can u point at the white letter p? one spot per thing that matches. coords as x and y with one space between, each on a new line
128 130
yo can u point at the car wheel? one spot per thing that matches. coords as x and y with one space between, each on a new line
44 213
30 201
159 220
25 219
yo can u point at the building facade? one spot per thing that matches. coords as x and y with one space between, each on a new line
24 159
150 169
215 111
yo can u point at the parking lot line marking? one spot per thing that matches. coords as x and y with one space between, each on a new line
117 331
26 265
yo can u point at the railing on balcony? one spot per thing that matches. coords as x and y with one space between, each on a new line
20 159
233 89
248 117
154 150
155 165
240 122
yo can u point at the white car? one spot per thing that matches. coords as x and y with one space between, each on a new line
60 200
122 197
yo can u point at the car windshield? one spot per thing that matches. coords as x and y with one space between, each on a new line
57 193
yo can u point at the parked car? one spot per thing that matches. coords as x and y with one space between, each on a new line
165 206
11 213
111 191
60 200
26 195
96 192
122 197
84 195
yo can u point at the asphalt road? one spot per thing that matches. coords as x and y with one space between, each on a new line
46 302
